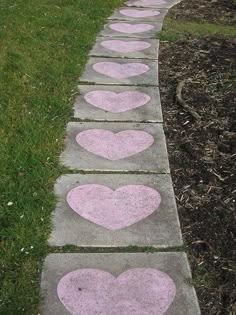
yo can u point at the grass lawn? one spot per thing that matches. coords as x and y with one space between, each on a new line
43 48
174 30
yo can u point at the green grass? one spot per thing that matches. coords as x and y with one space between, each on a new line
174 30
43 48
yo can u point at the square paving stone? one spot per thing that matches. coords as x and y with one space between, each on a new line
159 278
132 29
138 14
120 71
109 146
155 224
126 48
118 103
165 4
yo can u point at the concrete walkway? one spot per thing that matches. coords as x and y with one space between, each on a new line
120 193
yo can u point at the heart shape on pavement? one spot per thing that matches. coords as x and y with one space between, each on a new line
114 146
111 209
117 102
120 71
125 46
131 28
139 13
138 291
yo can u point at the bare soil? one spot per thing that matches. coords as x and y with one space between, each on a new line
216 11
202 156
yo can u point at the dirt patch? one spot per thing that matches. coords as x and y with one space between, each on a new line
202 159
217 11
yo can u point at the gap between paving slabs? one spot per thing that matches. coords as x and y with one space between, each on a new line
67 278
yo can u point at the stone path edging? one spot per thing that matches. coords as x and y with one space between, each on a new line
122 193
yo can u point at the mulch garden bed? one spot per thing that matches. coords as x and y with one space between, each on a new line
200 127
216 11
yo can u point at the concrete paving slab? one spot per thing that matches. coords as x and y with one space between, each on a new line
138 14
125 48
158 282
118 103
120 71
162 4
105 146
109 223
132 29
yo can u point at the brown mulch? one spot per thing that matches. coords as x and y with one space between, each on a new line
216 11
202 156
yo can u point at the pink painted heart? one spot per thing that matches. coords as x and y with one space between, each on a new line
113 210
120 71
138 291
139 13
131 28
125 46
117 102
149 2
114 146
